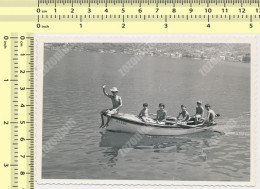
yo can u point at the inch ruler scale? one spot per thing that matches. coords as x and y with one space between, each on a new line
17 111
20 19
127 15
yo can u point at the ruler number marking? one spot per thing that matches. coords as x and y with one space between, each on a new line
22 173
22 122
6 165
242 10
208 10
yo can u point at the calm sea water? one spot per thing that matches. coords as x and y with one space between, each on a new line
73 89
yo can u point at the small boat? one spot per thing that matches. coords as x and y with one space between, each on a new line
130 123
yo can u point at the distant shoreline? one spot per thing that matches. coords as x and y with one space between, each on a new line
232 58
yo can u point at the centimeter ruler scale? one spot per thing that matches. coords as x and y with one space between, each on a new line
20 19
127 15
17 113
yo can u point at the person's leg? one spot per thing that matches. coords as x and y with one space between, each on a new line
109 114
108 119
102 118
196 120
205 122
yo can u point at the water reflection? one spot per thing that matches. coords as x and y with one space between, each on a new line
117 144
111 155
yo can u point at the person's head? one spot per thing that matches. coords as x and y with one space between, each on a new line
145 105
161 106
207 106
114 91
183 107
199 103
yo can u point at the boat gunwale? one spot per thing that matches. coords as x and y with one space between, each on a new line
175 126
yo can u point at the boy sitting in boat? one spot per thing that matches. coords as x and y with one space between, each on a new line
184 113
117 103
143 115
161 114
199 112
210 115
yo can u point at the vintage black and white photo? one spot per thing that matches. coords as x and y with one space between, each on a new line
175 109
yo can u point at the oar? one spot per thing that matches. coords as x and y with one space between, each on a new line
168 117
218 132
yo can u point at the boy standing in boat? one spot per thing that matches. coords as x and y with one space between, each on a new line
210 115
161 113
184 113
117 103
199 112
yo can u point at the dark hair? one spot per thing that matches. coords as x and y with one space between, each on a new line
145 105
161 104
183 106
207 105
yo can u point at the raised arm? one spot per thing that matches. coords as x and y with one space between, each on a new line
104 91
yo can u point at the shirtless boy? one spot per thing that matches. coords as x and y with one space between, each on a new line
161 113
199 112
184 113
116 102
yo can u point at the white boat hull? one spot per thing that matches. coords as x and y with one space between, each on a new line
134 125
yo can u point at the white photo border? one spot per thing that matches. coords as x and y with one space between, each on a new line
41 39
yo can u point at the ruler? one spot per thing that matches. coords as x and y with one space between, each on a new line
20 19
127 15
17 131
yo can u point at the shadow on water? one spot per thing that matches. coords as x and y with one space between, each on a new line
118 144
